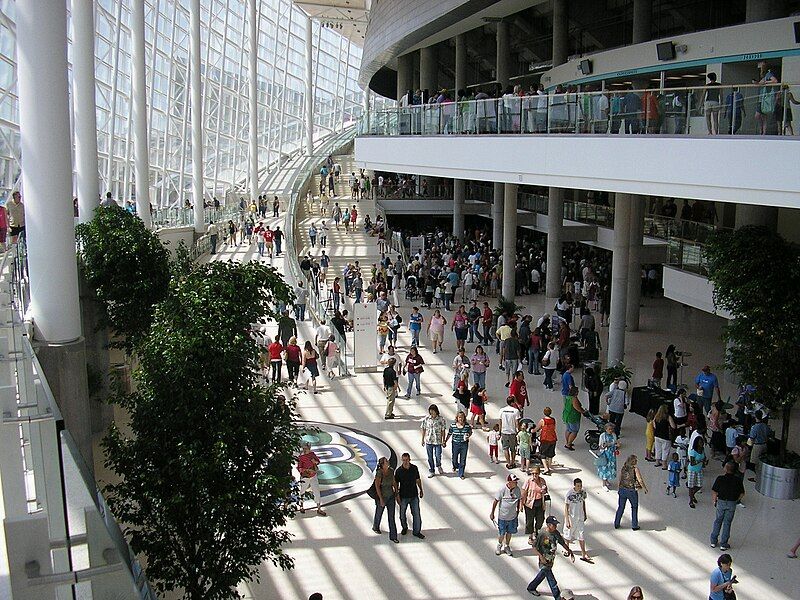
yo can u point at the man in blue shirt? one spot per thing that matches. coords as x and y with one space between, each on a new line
415 325
707 381
567 381
758 435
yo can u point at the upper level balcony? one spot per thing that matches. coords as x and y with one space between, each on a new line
734 144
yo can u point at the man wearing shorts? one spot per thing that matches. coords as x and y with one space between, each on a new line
509 426
268 237
575 517
508 499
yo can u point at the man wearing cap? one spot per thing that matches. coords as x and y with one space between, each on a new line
508 497
547 547
707 382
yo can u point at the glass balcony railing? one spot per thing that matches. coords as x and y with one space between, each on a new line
727 110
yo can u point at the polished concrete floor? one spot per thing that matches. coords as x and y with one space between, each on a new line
669 557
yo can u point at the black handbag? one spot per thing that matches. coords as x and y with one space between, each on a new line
372 492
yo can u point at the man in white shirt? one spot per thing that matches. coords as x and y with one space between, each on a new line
321 336
213 234
509 425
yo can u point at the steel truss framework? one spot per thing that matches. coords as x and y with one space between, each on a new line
224 51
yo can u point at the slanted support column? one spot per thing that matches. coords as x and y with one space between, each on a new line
642 20
560 32
405 75
619 279
503 54
635 262
310 90
141 145
50 232
197 117
428 69
459 194
252 74
764 10
83 89
461 64
555 227
751 214
497 216
509 240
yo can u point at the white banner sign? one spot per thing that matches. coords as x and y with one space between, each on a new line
417 246
365 332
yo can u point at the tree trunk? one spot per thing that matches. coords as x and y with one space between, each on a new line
787 413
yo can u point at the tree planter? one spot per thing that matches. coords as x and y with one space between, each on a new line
778 482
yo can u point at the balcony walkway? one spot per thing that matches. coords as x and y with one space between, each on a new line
342 558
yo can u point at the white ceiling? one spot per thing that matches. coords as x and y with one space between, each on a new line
347 17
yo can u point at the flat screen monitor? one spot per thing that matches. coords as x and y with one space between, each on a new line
665 50
586 66
797 32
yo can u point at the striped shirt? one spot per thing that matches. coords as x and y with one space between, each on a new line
460 434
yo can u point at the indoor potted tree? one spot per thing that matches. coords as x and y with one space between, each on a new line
756 277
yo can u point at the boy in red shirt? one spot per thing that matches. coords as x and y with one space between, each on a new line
519 390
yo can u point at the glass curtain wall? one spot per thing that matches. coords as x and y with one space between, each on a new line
224 51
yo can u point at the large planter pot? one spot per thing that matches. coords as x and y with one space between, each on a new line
778 482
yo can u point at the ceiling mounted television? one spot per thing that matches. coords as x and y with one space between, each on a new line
586 66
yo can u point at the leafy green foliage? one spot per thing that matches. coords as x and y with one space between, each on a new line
756 277
207 484
127 266
617 371
506 306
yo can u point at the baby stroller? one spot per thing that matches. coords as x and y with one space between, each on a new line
592 436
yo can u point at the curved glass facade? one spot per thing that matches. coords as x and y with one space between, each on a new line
224 51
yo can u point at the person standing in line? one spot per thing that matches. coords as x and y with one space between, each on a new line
509 426
575 516
546 548
534 495
433 429
508 499
413 369
571 415
386 490
708 383
390 387
415 321
697 462
757 439
594 387
658 370
722 579
617 401
519 391
662 423
410 493
726 493
308 467
630 482
460 431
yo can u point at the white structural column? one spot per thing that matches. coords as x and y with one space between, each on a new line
619 279
197 116
635 262
86 168
310 90
461 64
405 75
497 216
459 195
510 240
428 69
141 145
555 228
47 169
503 54
642 20
252 74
